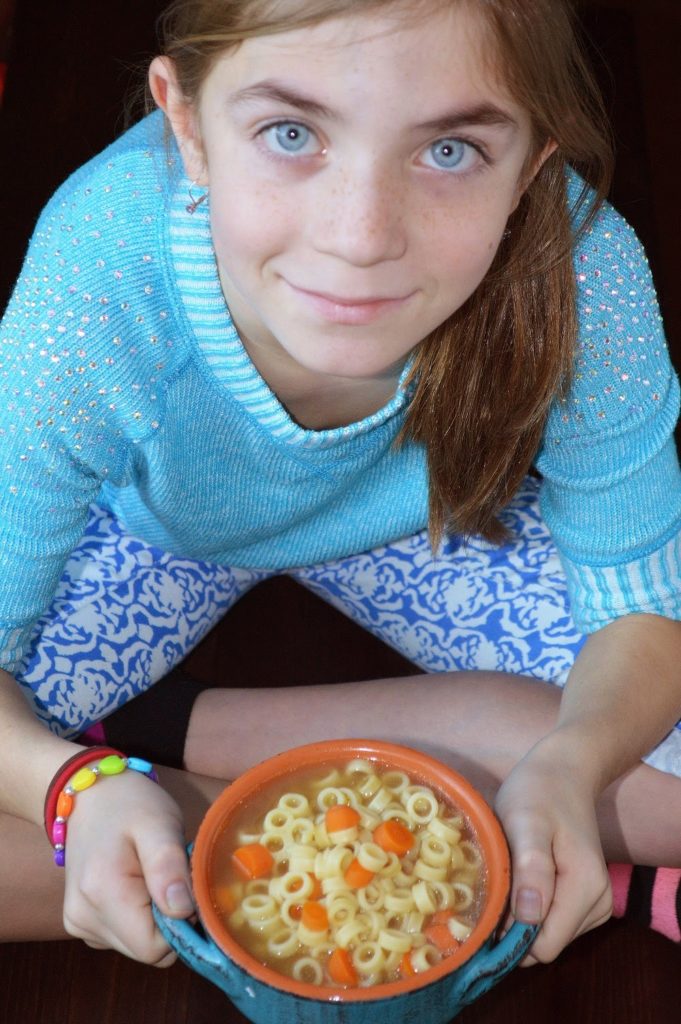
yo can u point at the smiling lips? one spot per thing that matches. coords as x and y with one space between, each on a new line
352 311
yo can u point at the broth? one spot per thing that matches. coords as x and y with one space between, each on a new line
311 880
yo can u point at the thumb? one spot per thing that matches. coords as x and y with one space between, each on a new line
165 867
534 871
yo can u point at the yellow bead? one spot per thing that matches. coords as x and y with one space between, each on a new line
111 765
83 779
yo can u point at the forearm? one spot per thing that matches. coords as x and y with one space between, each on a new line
30 754
623 695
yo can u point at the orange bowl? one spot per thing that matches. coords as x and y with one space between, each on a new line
454 788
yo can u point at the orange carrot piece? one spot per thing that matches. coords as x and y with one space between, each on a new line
224 898
440 936
341 967
357 876
406 966
339 817
317 891
440 917
394 837
253 860
313 915
295 911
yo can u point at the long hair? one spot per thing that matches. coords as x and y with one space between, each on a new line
484 380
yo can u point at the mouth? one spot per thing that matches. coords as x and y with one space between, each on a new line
349 309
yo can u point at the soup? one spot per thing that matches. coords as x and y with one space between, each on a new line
346 875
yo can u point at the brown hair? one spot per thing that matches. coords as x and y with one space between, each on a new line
485 378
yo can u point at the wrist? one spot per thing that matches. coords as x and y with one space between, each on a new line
576 754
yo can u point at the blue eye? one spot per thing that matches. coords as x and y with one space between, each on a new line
453 155
289 137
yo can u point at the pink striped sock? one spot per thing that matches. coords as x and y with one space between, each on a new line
651 896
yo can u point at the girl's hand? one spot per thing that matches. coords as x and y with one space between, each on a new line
125 847
559 875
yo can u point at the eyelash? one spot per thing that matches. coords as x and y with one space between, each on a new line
280 155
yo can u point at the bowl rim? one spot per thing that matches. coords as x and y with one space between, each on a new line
428 770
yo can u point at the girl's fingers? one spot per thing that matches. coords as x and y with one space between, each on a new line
165 868
534 871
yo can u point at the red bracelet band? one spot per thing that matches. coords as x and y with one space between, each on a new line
63 773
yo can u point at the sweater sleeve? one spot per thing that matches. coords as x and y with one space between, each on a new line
70 388
611 491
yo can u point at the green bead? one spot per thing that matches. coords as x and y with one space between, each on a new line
83 779
111 765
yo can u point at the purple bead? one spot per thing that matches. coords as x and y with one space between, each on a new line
58 832
60 858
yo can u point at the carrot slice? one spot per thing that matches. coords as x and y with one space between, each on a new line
440 917
224 897
394 837
357 876
340 817
406 966
313 916
253 860
440 936
341 967
317 891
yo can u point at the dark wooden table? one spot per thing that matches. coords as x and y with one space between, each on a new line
619 974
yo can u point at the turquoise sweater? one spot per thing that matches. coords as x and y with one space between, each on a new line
124 382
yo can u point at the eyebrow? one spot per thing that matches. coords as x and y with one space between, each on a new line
483 114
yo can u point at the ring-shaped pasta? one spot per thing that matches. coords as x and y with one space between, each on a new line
301 857
372 856
459 929
394 941
395 780
425 900
471 853
334 886
391 868
275 842
309 970
348 932
295 803
283 943
358 766
353 799
394 812
372 921
371 896
309 937
332 862
344 836
289 912
294 883
435 851
368 784
463 896
443 893
259 906
245 837
443 830
330 796
341 908
422 806
428 872
413 923
381 799
399 901
368 958
424 957
368 819
277 820
256 885
303 832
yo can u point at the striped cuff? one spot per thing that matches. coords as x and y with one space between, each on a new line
652 583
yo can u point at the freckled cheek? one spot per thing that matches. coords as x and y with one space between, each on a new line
252 229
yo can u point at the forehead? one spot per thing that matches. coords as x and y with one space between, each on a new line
406 52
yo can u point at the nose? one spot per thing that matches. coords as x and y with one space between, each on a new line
361 217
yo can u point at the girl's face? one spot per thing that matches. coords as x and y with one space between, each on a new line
361 174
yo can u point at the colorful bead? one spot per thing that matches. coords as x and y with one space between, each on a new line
112 765
83 778
64 805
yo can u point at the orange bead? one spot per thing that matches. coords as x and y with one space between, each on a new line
64 805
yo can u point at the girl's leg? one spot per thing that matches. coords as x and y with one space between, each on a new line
124 614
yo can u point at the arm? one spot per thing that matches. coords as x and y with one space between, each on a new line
623 695
126 840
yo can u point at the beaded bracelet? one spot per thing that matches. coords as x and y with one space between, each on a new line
83 778
62 776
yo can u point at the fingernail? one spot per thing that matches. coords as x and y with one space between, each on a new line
179 898
528 906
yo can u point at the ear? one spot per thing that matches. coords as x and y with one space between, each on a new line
531 172
182 116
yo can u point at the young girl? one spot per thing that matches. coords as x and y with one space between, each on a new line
328 323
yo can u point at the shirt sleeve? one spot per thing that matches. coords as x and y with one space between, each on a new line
611 490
